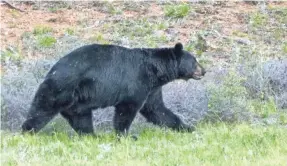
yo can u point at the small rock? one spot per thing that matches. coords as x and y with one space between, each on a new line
242 41
52 20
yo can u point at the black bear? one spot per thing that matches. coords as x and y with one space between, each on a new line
97 76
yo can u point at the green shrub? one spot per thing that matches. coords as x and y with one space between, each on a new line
177 11
41 29
278 33
113 10
134 28
190 47
162 25
141 31
263 108
153 41
70 31
99 38
46 41
258 19
229 97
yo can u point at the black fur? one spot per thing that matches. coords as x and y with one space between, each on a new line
96 76
155 112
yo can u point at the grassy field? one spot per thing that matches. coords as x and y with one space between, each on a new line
220 144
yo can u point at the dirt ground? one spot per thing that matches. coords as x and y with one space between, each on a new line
89 18
14 23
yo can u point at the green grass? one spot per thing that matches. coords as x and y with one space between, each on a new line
220 144
53 9
263 108
14 55
43 36
140 32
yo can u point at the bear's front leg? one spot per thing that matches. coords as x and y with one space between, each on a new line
81 123
125 113
160 115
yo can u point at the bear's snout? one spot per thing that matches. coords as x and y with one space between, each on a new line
199 72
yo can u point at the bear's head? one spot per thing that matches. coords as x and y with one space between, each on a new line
188 65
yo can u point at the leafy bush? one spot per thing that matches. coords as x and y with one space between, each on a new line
267 80
228 100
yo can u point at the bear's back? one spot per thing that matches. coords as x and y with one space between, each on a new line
106 63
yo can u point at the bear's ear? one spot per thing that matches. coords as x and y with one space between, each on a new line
178 48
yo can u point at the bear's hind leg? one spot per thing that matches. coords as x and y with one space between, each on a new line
124 115
81 123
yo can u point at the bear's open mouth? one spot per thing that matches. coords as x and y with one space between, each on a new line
197 76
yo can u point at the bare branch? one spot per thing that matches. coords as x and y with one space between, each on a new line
11 6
